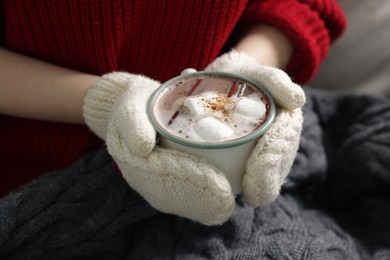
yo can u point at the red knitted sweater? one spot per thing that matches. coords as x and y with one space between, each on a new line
155 38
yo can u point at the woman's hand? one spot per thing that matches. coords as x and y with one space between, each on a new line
271 159
171 181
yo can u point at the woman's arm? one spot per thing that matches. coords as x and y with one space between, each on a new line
35 89
267 45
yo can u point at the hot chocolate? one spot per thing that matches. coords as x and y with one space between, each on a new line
211 109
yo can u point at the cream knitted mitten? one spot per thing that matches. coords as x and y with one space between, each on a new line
171 181
272 158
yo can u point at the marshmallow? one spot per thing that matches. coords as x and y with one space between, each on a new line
251 108
199 105
194 106
211 129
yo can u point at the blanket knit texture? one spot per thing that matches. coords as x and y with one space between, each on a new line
334 204
155 38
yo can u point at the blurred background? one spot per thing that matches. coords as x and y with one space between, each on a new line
360 59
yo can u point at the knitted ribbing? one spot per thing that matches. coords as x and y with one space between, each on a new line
309 35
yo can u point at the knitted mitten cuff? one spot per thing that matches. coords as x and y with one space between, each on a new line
100 99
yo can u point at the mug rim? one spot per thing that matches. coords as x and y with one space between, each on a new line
211 145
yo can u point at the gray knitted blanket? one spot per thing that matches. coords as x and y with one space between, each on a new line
335 204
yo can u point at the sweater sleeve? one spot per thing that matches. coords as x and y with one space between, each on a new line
311 25
2 22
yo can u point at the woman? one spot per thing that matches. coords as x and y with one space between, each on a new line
52 94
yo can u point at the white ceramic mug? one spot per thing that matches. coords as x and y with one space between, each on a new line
228 156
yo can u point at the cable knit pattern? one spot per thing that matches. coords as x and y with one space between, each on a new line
177 183
277 150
